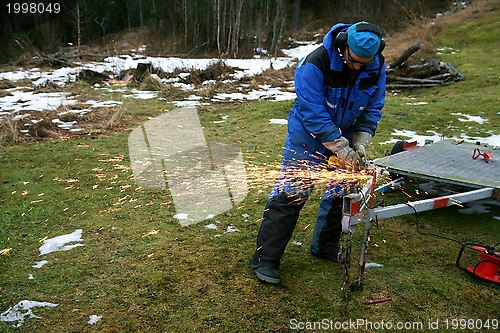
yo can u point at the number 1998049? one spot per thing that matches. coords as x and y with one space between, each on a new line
33 8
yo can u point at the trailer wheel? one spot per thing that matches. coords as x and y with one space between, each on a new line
398 147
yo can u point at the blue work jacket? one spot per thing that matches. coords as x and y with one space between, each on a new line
332 101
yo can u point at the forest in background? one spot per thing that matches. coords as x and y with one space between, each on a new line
222 28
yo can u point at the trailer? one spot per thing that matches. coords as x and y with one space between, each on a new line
448 161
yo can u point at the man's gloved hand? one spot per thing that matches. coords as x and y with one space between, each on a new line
346 155
360 141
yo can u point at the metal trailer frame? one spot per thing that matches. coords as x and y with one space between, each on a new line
434 163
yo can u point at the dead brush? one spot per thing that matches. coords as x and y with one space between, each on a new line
101 119
115 118
41 125
217 70
274 78
7 84
9 132
150 83
172 93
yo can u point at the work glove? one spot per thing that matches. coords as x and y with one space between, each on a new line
360 141
346 155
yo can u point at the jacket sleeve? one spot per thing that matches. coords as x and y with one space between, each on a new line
310 90
368 120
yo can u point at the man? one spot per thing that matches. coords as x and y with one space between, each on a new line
340 90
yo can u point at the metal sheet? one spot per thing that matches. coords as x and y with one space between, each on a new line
448 162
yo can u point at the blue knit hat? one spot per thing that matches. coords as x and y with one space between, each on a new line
364 44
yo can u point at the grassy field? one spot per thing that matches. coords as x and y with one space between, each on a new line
142 272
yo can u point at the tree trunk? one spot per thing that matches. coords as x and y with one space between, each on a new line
236 36
217 5
230 32
296 15
276 30
185 24
79 25
140 13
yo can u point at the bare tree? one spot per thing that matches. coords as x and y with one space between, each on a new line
236 34
279 22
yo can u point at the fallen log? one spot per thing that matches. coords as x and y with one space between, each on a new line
416 80
56 61
406 54
410 86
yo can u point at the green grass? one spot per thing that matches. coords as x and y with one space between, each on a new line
144 273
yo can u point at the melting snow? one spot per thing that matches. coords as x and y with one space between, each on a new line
22 310
493 140
39 264
94 319
278 121
229 229
211 226
468 118
27 100
59 243
373 264
413 136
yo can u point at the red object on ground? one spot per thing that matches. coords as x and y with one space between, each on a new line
382 300
488 266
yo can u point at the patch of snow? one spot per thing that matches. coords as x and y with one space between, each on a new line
278 121
469 118
94 319
410 135
211 226
231 228
39 264
373 264
21 310
59 243
418 103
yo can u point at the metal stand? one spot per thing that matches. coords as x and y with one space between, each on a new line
445 161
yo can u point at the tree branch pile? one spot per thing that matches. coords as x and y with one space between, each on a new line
402 74
62 57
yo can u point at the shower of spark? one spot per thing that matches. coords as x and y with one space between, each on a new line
303 175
